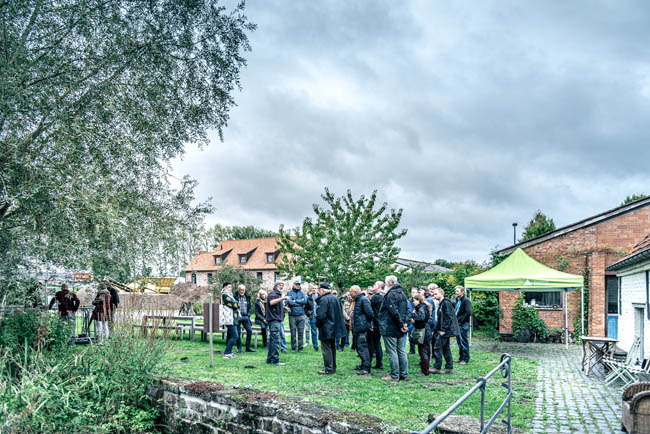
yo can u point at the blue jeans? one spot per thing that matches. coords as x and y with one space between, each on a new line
396 352
275 329
463 342
283 339
231 338
314 332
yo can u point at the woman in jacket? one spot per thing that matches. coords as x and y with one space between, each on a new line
260 313
420 320
102 313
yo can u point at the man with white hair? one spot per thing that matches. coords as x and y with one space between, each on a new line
393 325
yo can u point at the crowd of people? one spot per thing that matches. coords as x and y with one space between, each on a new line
426 321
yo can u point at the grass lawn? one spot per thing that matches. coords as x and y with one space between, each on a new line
406 404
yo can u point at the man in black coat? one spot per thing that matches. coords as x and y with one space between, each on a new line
393 325
374 336
361 321
446 328
329 319
464 316
246 308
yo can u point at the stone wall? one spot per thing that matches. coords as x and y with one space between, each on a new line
207 407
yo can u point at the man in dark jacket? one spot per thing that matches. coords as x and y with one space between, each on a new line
275 318
446 328
115 301
329 319
297 302
464 316
361 321
244 320
374 336
393 325
311 310
68 303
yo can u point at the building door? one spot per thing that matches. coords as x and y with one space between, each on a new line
611 285
639 332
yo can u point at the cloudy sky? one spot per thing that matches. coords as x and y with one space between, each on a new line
468 115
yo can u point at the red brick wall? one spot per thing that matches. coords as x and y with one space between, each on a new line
596 247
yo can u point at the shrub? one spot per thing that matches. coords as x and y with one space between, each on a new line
100 390
527 318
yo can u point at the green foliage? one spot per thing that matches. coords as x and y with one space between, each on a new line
485 308
524 317
563 263
221 233
25 293
633 198
465 269
349 242
444 263
97 98
539 225
236 276
100 390
496 258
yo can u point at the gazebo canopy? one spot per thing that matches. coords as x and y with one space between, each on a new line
521 272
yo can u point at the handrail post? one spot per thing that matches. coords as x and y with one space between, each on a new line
482 381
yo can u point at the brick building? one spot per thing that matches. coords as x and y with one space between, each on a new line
257 255
587 247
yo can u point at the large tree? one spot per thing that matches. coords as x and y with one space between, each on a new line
539 225
221 232
350 241
96 98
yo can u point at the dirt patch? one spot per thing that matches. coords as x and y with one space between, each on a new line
253 395
365 421
450 382
204 386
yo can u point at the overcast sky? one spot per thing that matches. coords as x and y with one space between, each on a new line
468 115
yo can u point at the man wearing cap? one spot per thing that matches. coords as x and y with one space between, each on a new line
297 301
275 318
329 319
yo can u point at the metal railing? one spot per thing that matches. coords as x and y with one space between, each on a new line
504 369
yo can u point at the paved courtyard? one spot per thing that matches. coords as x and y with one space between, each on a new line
568 401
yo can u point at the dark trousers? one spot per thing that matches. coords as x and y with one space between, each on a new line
362 350
342 342
245 322
297 326
463 342
231 338
273 355
263 330
441 350
329 354
424 350
374 348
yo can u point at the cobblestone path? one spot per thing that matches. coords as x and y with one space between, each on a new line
567 400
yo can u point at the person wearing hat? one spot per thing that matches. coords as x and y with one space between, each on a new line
275 319
297 302
329 319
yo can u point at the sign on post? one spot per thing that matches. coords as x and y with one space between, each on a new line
82 276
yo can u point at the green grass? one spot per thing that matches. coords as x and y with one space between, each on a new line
406 404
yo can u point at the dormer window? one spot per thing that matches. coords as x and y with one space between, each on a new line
217 260
242 259
269 257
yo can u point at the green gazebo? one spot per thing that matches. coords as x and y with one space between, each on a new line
520 272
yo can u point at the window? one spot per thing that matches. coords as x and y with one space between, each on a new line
277 277
193 278
544 299
209 278
611 285
242 259
259 276
217 260
269 257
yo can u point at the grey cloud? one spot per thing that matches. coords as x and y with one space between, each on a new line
467 115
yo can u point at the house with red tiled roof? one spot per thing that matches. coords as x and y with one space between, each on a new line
257 255
588 247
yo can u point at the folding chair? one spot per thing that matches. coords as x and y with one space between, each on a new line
620 369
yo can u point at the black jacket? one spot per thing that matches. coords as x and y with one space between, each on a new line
393 313
260 316
249 306
447 321
115 298
362 315
309 309
329 318
421 317
376 302
465 312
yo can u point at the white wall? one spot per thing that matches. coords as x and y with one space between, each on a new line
632 292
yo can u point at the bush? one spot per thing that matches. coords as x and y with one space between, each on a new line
485 308
527 318
100 390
